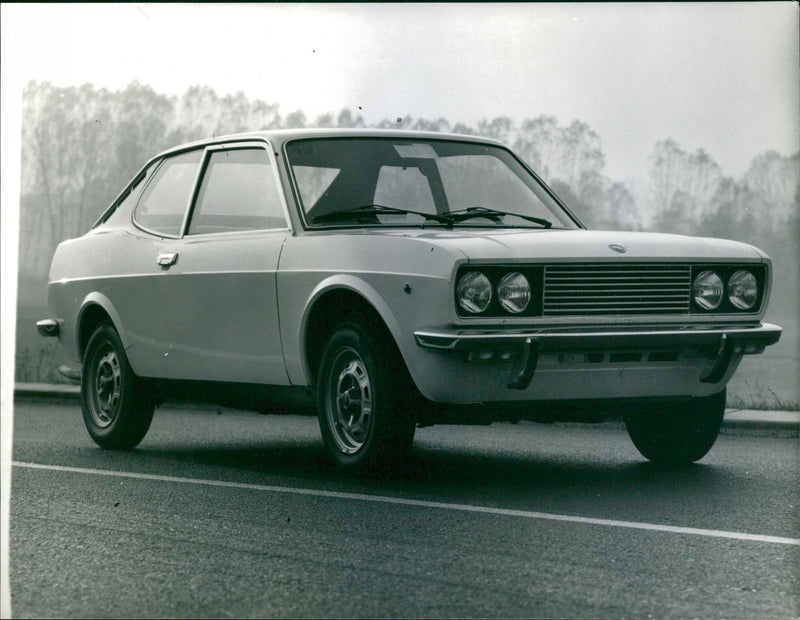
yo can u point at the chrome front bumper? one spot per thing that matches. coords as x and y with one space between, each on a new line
724 342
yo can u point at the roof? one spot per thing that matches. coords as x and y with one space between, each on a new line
279 136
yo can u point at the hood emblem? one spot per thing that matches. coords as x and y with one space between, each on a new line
619 249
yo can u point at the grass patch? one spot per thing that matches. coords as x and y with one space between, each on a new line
764 398
40 364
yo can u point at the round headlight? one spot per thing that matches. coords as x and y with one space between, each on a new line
474 292
707 290
514 292
743 289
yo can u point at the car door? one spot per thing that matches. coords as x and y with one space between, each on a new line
213 306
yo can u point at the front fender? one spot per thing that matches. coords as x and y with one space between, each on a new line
355 285
401 301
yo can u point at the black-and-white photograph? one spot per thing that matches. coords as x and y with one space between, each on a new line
400 310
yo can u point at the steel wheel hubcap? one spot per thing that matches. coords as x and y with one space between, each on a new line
107 388
349 406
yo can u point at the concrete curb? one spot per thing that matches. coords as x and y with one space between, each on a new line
763 420
46 391
735 419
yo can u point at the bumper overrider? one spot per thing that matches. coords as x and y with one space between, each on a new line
524 347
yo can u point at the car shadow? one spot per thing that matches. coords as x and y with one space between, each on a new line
289 452
445 472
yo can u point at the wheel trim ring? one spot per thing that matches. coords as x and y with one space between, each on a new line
106 387
349 402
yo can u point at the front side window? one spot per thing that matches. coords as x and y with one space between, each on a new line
164 201
418 182
238 192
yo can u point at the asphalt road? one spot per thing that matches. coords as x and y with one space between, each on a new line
230 514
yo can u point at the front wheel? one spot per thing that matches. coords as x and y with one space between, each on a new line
364 399
677 433
116 410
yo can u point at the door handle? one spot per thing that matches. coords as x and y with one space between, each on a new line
168 259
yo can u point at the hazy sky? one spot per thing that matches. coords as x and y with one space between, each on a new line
721 76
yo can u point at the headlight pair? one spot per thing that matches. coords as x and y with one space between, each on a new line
475 292
708 290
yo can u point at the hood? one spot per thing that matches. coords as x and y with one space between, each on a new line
520 244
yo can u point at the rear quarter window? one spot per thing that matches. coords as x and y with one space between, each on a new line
121 215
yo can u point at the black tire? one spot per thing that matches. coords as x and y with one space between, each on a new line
678 433
117 411
365 399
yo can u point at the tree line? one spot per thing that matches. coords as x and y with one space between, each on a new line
81 144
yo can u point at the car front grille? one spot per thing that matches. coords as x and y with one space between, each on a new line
592 289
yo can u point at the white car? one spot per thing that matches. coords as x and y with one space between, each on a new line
395 279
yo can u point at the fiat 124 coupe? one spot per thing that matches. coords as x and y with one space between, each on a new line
391 280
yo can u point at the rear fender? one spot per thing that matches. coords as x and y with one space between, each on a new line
91 301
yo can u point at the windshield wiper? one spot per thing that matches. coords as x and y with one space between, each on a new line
448 219
472 212
355 213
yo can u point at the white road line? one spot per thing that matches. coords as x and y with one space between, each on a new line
385 499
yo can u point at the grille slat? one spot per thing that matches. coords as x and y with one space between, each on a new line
571 281
630 290
616 289
620 299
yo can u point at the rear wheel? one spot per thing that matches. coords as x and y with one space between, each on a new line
677 433
364 397
116 410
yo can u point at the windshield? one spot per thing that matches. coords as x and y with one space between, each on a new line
418 182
